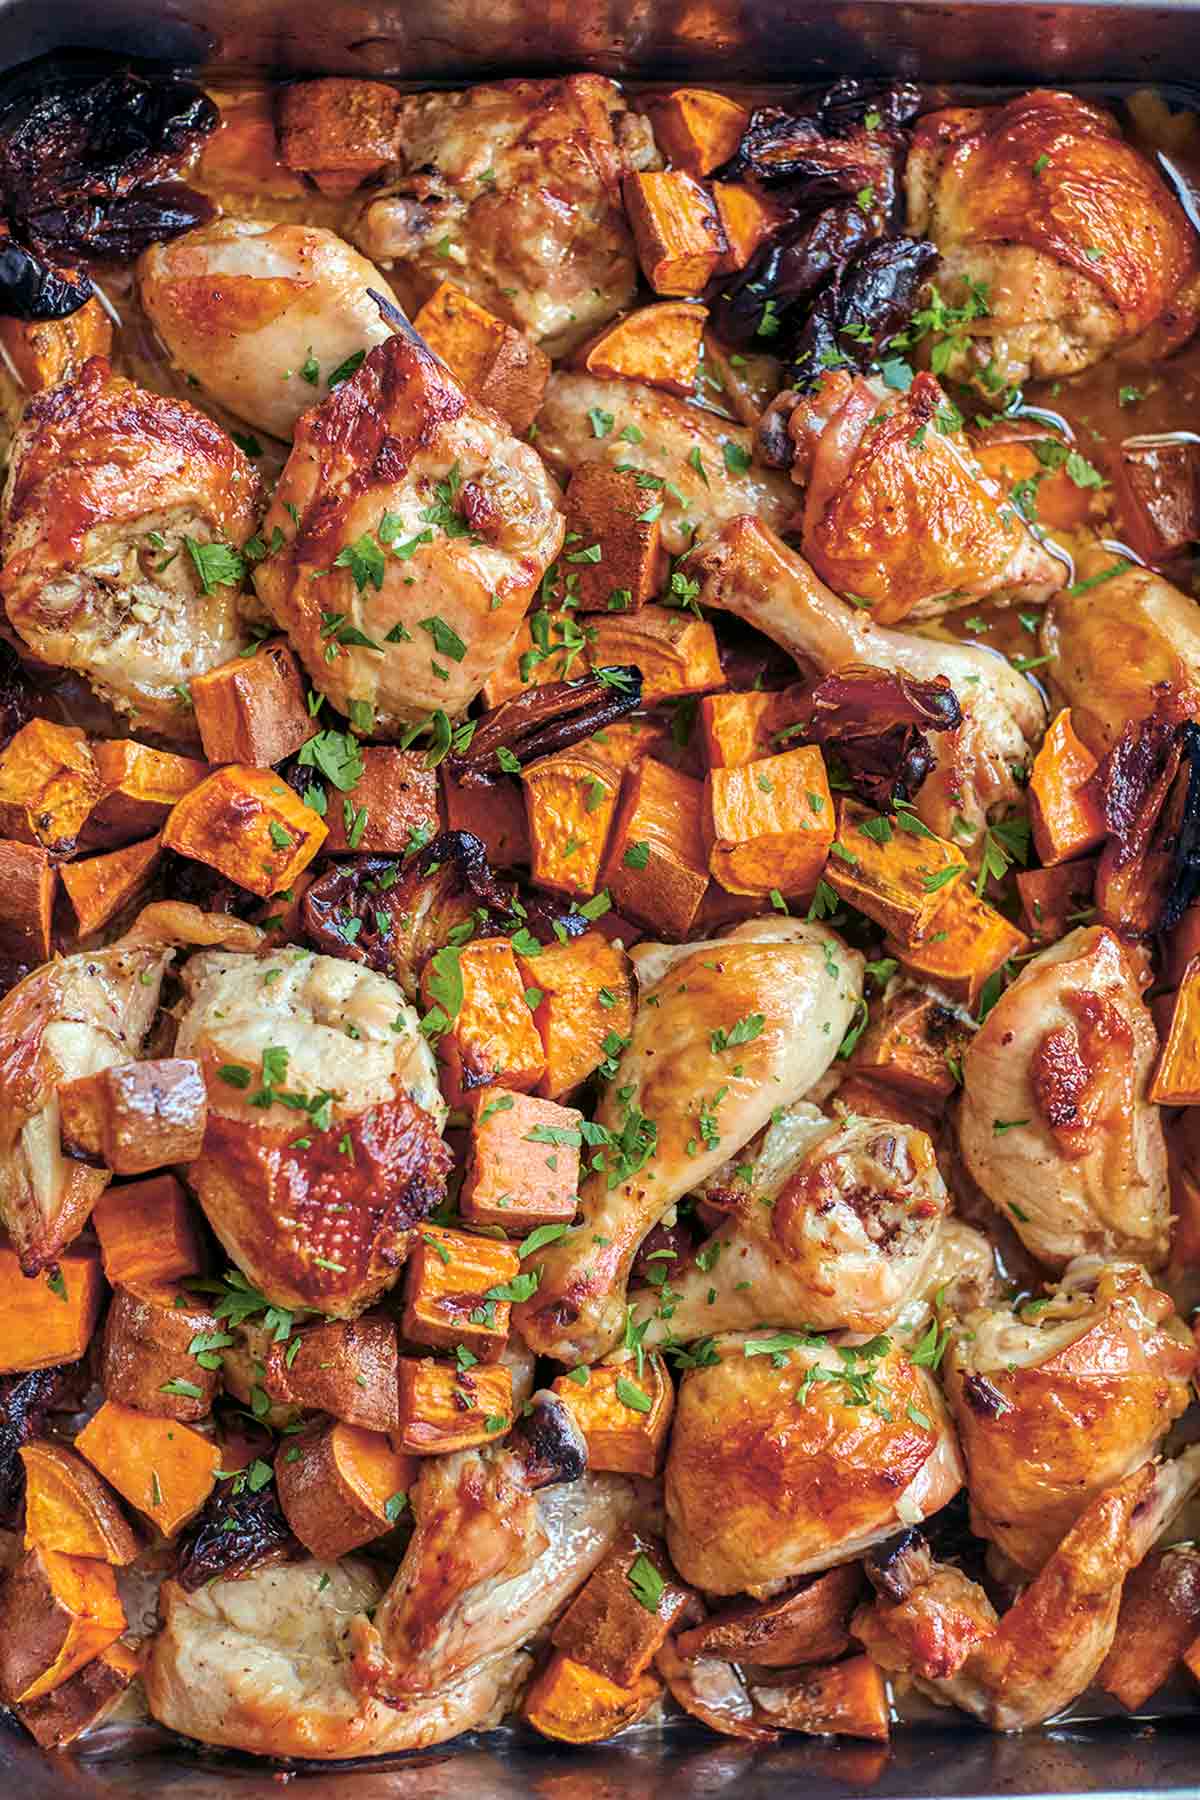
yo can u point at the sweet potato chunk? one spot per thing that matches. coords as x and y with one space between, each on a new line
584 1001
872 1100
347 1367
147 1232
139 788
734 729
571 1703
338 123
910 1044
46 351
249 826
495 362
443 1407
49 784
624 1612
1066 817
27 882
340 1486
523 1167
847 1699
1159 1618
1177 1077
698 129
451 1290
747 221
898 878
769 824
69 1509
623 1415
806 1626
570 801
146 1359
676 231
617 555
657 869
99 887
162 1467
136 1116
676 652
252 710
1061 503
46 1319
977 941
394 797
1049 898
84 1700
491 1037
56 1613
494 813
1157 490
659 345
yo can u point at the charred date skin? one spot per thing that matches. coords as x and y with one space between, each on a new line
31 289
542 720
876 721
119 230
180 878
867 301
1183 889
549 1443
898 1567
16 697
787 271
24 1402
235 1531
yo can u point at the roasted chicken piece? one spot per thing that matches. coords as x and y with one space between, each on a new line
898 512
124 516
44 352
513 191
1070 233
663 439
323 1148
1055 1124
414 529
674 1111
790 1454
263 315
833 1225
745 570
1060 1398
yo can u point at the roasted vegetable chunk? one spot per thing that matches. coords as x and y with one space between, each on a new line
523 1170
56 1613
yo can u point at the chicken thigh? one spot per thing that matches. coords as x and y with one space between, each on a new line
124 517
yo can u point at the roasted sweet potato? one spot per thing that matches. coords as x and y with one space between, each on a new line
656 869
249 826
747 221
147 1232
520 669
495 814
56 1613
346 1367
139 788
872 1100
1066 816
769 824
977 941
252 710
27 883
395 796
68 1507
1054 899
676 652
443 1407
570 802
46 1319
608 1403
491 1037
46 351
49 784
146 1360
846 1699
571 1703
625 1610
523 1163
659 345
452 1287
1177 1077
676 230
340 1486
735 728
1159 1618
808 1625
697 129
910 1044
84 1700
163 1468
338 125
900 879
584 1000
617 556
99 887
136 1116
1156 486
495 362
1062 503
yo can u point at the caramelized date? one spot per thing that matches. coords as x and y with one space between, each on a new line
868 301
24 1401
235 1530
16 699
876 721
546 718
1184 886
786 272
119 230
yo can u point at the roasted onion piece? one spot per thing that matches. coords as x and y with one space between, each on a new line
547 717
875 720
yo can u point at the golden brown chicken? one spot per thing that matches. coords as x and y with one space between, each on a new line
1055 1124
406 536
125 516
1072 234
1061 1398
43 352
790 1454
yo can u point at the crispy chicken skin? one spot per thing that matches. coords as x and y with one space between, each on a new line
767 1479
898 512
262 315
1055 1123
1062 1398
44 352
308 1224
835 1227
1074 234
699 1108
469 517
512 190
106 483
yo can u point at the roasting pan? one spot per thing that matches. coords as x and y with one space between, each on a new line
451 41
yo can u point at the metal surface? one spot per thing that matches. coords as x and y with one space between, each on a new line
728 40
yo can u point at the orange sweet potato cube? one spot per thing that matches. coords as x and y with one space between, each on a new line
492 1037
249 825
769 824
570 801
139 788
900 879
494 361
164 1468
909 1045
494 812
734 728
341 123
698 129
56 1613
607 1624
609 1404
967 943
47 351
523 1166
395 796
1050 898
449 1297
615 547
569 1703
1066 817
584 1003
676 231
676 652
657 868
443 1407
1177 1077
147 1232
99 887
746 219
27 883
46 1319
252 710
658 344
49 784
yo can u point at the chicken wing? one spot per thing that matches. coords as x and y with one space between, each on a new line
124 516
677 1108
1055 1124
790 1454
1072 233
745 570
263 315
411 529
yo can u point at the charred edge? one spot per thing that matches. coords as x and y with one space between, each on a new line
548 1443
545 719
235 1531
898 1567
